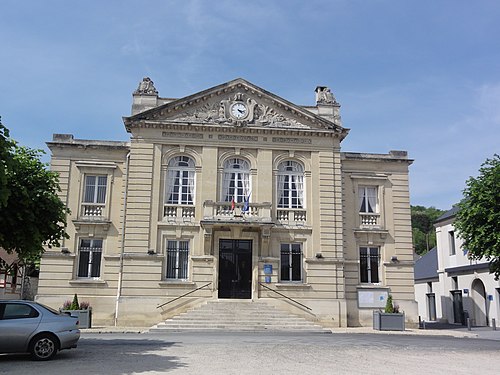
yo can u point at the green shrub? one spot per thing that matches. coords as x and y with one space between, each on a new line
75 305
389 307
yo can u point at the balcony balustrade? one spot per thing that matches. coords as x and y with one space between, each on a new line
221 211
369 219
291 216
182 213
92 211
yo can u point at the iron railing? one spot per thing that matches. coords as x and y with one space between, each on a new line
184 295
282 295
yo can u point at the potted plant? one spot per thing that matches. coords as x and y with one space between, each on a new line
389 320
80 310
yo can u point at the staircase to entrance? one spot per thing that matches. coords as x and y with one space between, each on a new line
237 315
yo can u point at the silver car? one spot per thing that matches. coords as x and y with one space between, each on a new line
30 327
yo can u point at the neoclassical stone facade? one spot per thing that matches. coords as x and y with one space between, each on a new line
232 192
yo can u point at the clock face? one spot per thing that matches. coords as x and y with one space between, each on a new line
239 110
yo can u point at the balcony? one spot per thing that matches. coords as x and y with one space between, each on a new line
223 212
369 220
93 211
178 213
92 214
294 217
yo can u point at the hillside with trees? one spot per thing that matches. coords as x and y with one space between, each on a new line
422 223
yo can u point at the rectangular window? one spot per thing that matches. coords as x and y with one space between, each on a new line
95 189
291 262
90 254
177 260
451 237
369 263
368 202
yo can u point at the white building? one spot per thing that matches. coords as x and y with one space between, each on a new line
449 287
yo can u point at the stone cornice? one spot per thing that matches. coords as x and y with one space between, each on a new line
196 128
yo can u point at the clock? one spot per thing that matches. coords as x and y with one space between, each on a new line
239 110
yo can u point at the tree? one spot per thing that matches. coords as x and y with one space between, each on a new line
478 218
422 222
31 213
6 145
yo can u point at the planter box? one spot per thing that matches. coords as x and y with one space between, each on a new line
84 317
388 322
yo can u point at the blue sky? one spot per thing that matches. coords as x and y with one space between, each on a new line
421 76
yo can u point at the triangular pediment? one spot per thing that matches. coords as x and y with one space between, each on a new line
237 103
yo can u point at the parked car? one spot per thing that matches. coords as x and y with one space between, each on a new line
30 327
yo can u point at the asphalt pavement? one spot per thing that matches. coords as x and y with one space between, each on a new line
369 352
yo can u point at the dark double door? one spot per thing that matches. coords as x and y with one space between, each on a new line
235 269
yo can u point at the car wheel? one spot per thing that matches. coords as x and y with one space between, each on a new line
43 347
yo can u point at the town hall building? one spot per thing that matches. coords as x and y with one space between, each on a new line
231 193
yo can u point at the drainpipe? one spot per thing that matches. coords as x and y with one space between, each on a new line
122 250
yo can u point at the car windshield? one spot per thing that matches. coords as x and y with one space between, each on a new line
53 311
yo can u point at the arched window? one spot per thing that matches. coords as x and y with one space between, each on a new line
179 186
290 185
236 180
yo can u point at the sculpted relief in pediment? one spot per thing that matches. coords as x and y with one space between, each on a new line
239 110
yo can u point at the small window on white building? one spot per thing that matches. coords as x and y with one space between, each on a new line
89 258
451 237
291 262
177 260
369 259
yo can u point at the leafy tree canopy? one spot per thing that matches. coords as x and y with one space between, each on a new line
6 145
478 217
31 213
422 222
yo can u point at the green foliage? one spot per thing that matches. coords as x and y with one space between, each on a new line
75 305
31 213
422 222
6 145
478 217
389 307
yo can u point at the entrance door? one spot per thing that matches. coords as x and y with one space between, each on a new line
431 303
235 269
479 309
458 307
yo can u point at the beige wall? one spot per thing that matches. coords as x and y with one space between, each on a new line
330 235
389 173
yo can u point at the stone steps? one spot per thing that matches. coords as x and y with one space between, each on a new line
237 315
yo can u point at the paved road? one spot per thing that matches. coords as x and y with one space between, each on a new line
264 353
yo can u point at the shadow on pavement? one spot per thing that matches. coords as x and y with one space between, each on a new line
110 357
436 325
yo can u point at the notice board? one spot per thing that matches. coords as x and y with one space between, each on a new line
372 297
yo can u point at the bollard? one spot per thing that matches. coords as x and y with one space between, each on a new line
423 323
468 324
493 324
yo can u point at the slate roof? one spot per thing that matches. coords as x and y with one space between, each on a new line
447 215
426 267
